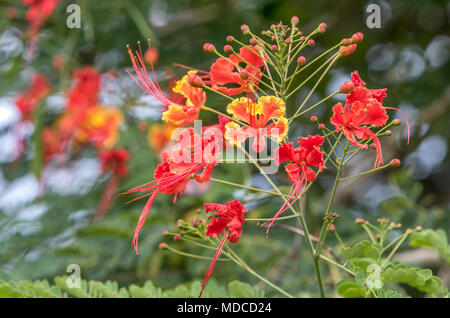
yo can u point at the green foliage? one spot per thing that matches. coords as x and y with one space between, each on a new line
432 239
109 289
362 254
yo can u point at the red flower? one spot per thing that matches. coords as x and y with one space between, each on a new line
191 154
224 72
85 90
363 108
116 161
302 158
228 217
27 101
39 11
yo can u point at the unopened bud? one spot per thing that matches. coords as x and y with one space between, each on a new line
360 221
323 25
301 60
245 29
311 42
347 50
194 80
209 48
230 39
228 49
395 163
357 38
378 236
294 20
396 122
321 30
388 132
274 48
346 41
419 228
162 246
164 233
409 230
347 87
321 126
313 119
288 41
176 238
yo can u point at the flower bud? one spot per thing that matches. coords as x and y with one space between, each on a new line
209 48
321 126
176 238
347 87
323 25
301 60
360 221
311 42
194 80
294 20
302 38
346 41
347 50
313 119
245 29
288 41
419 228
357 38
409 230
253 41
321 30
164 233
230 39
228 49
378 236
396 122
388 132
395 163
331 227
274 48
162 246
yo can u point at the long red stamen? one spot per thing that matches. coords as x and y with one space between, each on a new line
213 262
142 218
406 118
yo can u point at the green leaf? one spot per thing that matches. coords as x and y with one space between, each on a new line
350 288
362 254
432 239
422 279
239 289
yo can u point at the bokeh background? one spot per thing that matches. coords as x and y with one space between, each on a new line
46 225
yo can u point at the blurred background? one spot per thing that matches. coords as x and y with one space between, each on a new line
49 222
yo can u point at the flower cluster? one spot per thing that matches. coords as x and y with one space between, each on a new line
256 81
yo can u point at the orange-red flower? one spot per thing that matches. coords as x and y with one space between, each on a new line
159 135
99 126
301 159
27 101
257 116
192 154
363 108
226 74
227 217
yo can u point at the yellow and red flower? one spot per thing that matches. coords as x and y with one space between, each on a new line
182 115
257 117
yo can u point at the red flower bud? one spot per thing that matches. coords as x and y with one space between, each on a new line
194 80
228 49
294 20
176 238
311 42
274 48
419 228
357 38
301 60
288 41
253 41
378 236
347 87
209 48
346 41
321 30
321 126
395 163
313 119
347 50
396 122
230 39
245 29
162 246
388 132
323 25
164 233
360 221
